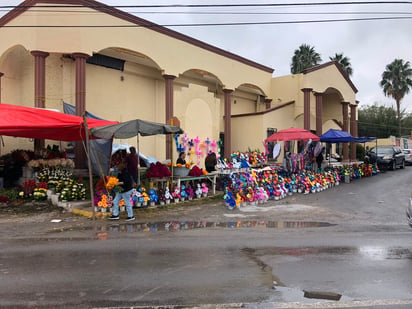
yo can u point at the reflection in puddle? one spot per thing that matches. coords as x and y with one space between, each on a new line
191 225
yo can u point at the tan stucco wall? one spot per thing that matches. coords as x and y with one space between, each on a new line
248 133
88 40
329 77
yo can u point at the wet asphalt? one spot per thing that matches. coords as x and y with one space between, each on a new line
351 240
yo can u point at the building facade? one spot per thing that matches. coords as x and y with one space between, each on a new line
121 67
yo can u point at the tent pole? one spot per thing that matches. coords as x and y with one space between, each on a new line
86 129
138 160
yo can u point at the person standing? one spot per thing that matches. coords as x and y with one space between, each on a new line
210 162
126 184
181 159
319 158
132 161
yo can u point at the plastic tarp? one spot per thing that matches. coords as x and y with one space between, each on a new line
100 149
336 136
292 134
29 122
133 128
339 136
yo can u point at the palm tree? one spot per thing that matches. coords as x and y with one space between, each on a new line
304 57
344 62
396 83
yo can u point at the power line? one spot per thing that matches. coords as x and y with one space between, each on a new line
213 24
213 5
229 13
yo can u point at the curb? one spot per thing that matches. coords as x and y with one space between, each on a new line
89 214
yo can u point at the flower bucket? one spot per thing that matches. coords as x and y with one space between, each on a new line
144 204
138 204
96 209
181 171
152 204
182 199
176 200
122 208
189 198
167 201
198 195
162 203
54 199
103 209
204 194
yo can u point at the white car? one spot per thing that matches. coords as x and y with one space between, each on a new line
408 156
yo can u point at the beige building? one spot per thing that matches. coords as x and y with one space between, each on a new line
121 67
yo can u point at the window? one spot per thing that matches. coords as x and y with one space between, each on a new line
107 62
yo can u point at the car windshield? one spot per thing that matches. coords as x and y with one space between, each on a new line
383 151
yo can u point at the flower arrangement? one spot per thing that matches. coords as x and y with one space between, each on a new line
158 170
183 193
196 171
145 196
205 189
190 192
153 197
198 191
72 190
111 183
105 202
28 189
168 195
162 197
67 164
176 194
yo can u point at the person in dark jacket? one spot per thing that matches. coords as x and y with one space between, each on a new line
181 159
210 162
319 158
126 183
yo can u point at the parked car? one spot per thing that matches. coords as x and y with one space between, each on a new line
389 157
408 156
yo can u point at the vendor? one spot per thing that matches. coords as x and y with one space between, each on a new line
181 159
210 162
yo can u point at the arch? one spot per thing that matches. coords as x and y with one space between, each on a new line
202 77
332 90
247 87
131 56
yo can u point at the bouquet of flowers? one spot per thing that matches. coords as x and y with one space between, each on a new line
158 170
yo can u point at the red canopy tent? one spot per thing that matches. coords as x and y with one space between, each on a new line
22 121
292 134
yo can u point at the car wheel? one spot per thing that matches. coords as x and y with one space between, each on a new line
403 164
393 165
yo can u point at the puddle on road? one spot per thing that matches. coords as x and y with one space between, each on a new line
172 226
191 225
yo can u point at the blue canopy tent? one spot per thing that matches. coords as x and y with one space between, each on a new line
339 136
336 136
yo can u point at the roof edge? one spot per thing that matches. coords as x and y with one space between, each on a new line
265 111
339 67
24 6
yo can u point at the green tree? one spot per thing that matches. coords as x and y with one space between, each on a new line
381 121
344 63
396 82
304 57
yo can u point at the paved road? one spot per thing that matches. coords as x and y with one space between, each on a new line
350 240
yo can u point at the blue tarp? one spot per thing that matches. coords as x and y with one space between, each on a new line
339 136
336 136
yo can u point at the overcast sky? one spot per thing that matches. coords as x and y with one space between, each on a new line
370 44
